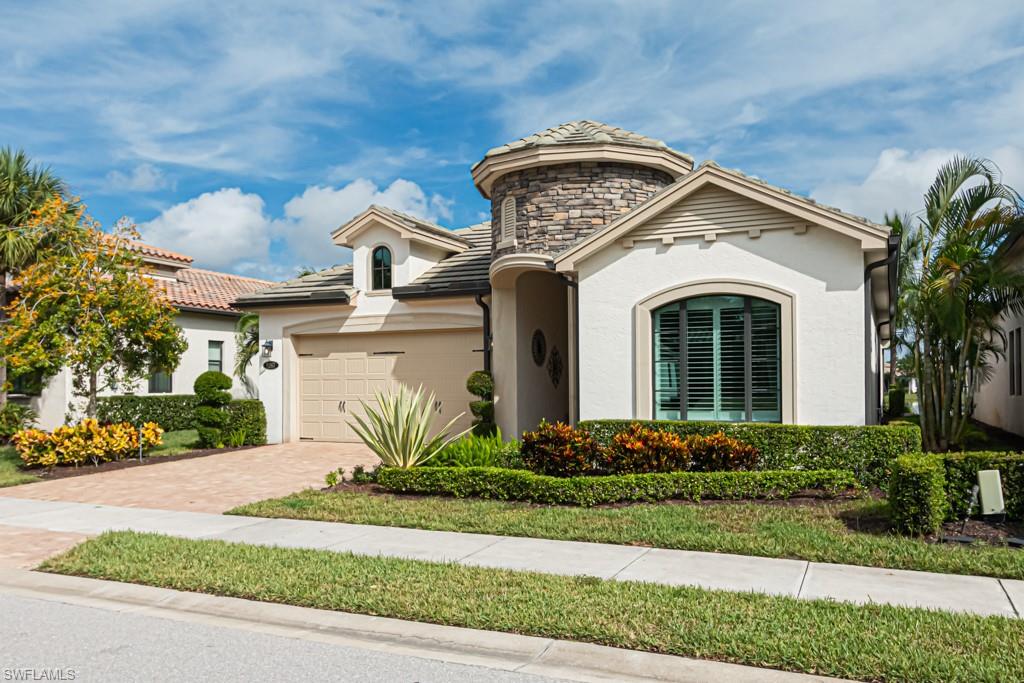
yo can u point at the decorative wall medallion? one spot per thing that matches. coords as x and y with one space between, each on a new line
555 366
539 347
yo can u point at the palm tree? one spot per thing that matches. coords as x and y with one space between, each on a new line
247 347
24 188
960 283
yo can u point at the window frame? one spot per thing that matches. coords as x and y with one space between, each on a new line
154 389
643 348
219 345
746 304
388 270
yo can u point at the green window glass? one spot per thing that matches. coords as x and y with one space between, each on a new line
718 358
381 267
160 382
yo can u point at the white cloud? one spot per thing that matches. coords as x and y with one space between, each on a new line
379 163
142 178
218 229
310 217
900 178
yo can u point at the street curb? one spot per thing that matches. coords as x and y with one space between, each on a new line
504 651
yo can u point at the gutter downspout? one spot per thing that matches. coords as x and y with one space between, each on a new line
479 298
891 260
574 286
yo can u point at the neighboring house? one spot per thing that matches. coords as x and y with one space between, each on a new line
1000 401
205 313
614 280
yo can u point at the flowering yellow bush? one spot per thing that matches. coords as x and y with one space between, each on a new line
88 441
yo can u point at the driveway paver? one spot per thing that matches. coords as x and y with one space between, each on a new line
212 483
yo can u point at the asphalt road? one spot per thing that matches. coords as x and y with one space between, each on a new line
56 641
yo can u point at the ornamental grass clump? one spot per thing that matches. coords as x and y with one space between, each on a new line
88 441
398 432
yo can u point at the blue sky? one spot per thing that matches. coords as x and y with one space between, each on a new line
242 133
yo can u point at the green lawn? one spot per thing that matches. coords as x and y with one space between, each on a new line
176 443
819 533
10 471
874 642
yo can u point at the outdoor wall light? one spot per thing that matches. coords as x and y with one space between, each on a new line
268 347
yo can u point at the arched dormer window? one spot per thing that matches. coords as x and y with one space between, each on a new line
380 268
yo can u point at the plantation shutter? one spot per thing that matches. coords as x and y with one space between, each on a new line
728 366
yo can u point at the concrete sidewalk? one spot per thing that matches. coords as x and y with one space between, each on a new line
793 578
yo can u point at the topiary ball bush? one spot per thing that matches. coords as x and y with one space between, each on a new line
481 384
211 388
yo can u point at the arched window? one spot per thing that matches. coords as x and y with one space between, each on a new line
718 358
380 268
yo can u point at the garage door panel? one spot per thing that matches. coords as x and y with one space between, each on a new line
344 368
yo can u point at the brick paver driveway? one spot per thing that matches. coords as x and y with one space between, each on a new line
214 483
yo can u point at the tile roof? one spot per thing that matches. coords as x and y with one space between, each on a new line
332 285
195 288
157 252
460 273
583 132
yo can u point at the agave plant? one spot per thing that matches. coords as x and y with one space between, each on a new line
399 431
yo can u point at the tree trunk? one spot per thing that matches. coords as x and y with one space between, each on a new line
90 406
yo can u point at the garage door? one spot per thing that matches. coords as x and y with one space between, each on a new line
339 370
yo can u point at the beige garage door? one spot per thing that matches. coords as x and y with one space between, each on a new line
339 370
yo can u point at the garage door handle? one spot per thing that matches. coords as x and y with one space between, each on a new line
341 405
437 407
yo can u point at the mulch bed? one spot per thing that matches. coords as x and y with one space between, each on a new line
70 471
992 531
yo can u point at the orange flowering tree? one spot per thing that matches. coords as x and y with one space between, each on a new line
87 307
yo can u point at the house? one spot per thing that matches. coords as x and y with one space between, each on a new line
614 280
1000 401
206 315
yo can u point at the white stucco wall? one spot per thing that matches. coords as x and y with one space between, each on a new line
199 329
821 269
993 404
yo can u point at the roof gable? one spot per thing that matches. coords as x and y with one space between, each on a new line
408 227
714 200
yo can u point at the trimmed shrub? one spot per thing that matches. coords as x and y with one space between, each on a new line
88 441
481 385
15 418
212 395
471 450
720 453
867 451
917 493
640 449
173 412
521 485
961 474
897 402
246 422
560 450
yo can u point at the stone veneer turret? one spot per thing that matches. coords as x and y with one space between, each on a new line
558 205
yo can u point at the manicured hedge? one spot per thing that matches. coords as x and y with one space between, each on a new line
917 493
867 451
962 474
249 416
173 412
522 485
927 489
